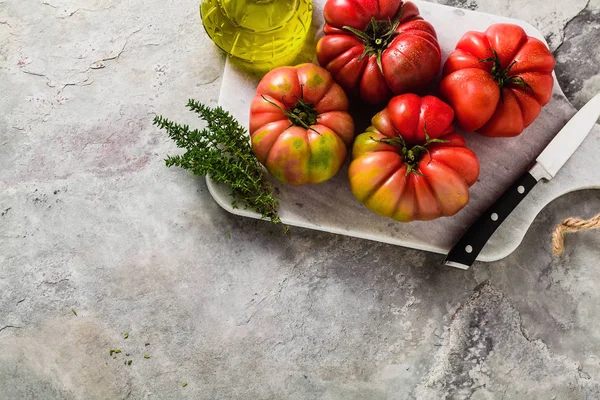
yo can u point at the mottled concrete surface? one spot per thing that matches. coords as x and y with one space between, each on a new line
91 220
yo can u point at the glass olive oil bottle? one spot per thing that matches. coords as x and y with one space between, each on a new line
258 32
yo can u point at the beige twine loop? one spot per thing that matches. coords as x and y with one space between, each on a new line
571 225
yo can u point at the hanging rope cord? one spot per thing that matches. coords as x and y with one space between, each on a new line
571 225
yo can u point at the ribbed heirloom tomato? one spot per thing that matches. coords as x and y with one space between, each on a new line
299 126
409 164
378 48
497 81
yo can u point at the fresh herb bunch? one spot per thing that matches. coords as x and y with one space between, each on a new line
222 151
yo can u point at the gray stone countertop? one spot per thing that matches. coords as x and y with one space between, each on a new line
93 223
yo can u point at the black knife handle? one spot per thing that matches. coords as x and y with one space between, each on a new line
468 247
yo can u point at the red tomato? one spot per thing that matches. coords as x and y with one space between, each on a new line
299 126
410 165
378 48
497 81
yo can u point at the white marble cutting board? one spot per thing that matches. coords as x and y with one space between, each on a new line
331 207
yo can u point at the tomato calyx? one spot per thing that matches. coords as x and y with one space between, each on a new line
305 112
503 77
377 36
301 114
413 155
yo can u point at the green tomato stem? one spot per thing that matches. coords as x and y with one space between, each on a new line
302 114
377 36
503 77
413 155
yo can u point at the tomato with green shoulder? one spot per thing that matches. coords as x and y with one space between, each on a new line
409 164
299 125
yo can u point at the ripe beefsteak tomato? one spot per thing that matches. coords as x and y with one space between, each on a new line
497 81
299 124
409 164
378 48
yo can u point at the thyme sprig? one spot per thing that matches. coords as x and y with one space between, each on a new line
223 152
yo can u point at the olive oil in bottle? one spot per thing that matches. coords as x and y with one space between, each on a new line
257 32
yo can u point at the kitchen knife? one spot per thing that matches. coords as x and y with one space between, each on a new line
547 164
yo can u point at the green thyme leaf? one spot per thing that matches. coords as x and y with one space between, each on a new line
113 351
223 152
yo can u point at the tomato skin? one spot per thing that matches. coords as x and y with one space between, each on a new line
474 93
439 185
408 63
470 86
313 151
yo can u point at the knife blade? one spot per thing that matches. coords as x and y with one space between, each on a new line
464 253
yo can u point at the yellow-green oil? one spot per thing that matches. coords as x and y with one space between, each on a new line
260 33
